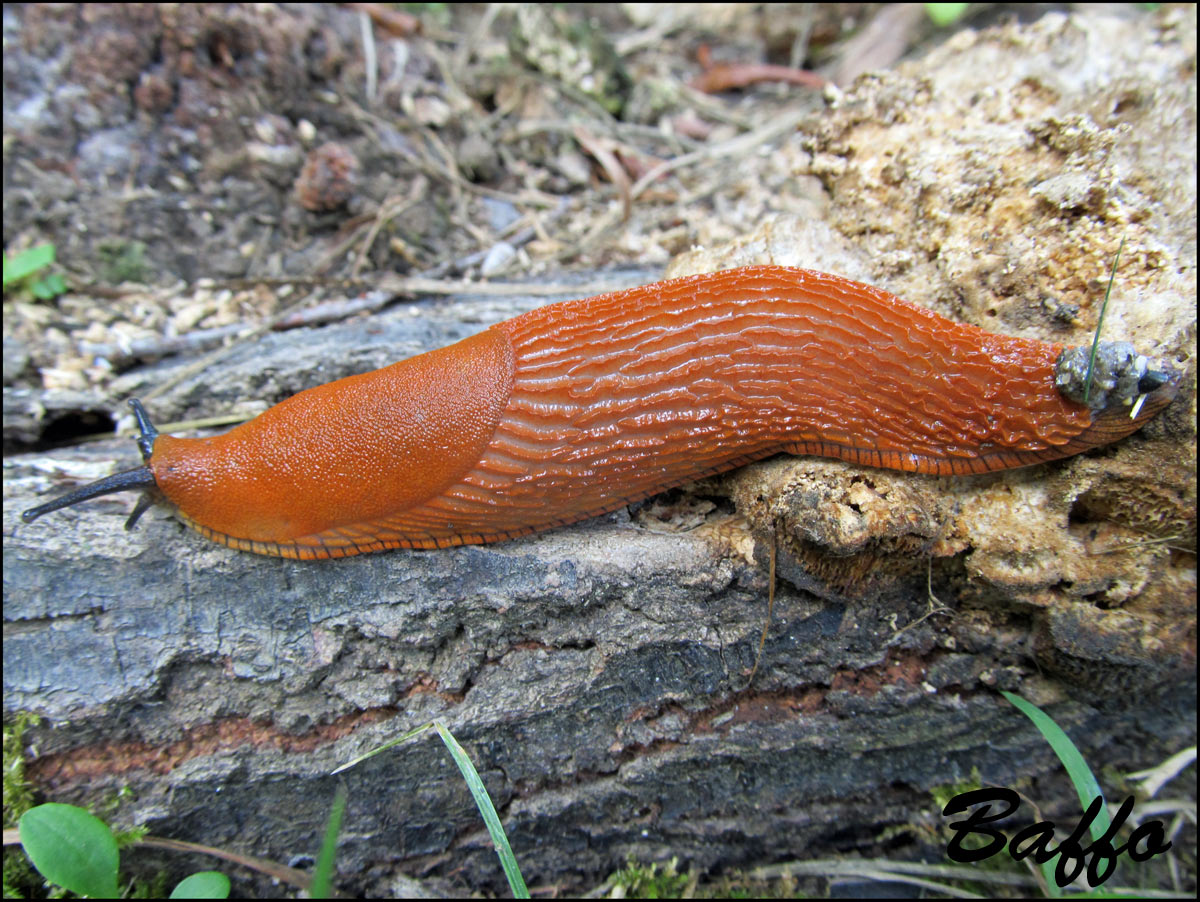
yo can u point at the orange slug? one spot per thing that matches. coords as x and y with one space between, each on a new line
578 408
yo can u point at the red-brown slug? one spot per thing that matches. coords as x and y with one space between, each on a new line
578 408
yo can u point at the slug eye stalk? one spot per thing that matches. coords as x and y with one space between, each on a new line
127 480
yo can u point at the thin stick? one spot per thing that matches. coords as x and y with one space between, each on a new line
762 642
369 62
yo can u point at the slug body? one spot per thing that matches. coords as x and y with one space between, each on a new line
578 408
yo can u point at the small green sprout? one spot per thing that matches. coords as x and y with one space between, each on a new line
27 270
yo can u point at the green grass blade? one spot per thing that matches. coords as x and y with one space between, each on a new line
1086 786
323 872
383 748
1081 775
1087 386
507 860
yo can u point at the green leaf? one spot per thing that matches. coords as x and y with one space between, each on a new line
72 848
48 287
483 802
27 262
202 885
943 14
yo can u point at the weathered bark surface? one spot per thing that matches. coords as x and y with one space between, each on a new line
599 674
